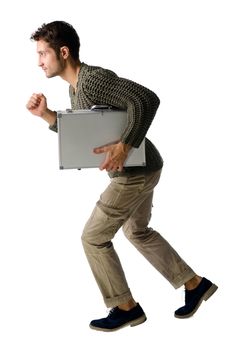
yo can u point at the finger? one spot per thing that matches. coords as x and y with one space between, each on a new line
39 95
119 168
99 150
106 163
33 103
30 105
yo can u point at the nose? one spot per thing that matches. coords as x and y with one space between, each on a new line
40 63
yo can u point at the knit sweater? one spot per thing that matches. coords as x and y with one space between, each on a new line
99 86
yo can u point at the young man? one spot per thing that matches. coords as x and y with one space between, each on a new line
127 201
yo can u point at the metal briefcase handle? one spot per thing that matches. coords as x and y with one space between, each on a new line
100 107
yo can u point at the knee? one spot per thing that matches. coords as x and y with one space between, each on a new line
131 231
88 243
94 241
128 232
83 238
137 234
87 239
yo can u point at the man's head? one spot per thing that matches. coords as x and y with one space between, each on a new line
56 42
58 34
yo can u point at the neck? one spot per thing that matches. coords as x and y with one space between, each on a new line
70 74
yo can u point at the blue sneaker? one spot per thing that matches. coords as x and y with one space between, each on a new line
194 298
118 318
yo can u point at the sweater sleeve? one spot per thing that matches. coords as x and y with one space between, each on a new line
54 127
105 87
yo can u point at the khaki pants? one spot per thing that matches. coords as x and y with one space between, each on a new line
127 203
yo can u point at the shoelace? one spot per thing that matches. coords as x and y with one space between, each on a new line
113 312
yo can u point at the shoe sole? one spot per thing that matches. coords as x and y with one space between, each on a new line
132 323
205 297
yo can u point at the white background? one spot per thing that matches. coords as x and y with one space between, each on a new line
180 49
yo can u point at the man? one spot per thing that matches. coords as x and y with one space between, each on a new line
127 201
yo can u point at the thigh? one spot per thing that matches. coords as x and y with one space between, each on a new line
121 197
125 194
117 203
112 209
141 215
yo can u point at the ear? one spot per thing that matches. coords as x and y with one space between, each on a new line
64 51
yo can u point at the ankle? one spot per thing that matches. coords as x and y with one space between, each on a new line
193 282
127 306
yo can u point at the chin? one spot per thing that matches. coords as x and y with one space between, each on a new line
50 75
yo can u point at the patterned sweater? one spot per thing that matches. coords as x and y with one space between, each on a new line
99 86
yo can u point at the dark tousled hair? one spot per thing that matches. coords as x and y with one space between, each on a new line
58 34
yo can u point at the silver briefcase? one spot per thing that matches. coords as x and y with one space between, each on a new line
80 131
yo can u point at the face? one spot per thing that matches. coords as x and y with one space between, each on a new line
48 60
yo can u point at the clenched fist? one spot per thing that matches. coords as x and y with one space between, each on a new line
37 104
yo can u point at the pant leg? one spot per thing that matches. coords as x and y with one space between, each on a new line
116 204
103 259
154 247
